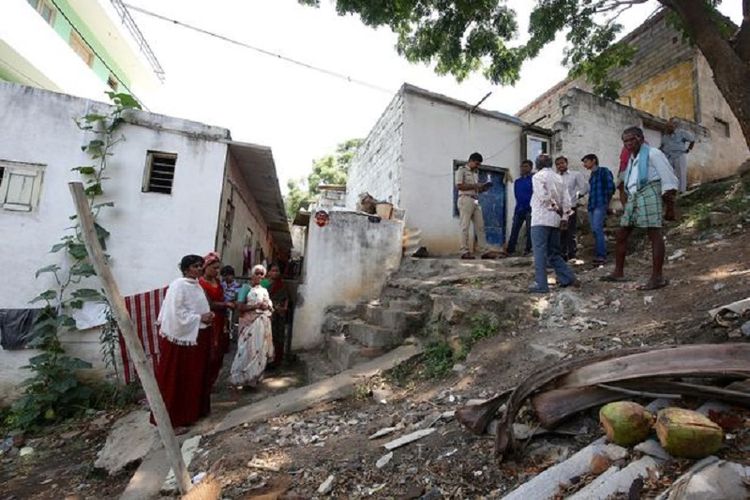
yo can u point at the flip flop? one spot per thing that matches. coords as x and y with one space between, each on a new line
653 286
614 279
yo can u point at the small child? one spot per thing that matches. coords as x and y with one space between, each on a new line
231 289
229 284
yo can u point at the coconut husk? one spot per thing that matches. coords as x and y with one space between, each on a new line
626 423
687 434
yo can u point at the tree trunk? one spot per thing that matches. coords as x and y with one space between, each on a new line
731 71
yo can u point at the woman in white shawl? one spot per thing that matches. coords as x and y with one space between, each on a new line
255 342
184 347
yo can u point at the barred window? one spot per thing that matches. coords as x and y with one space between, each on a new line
158 175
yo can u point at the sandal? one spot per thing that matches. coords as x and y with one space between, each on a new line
651 285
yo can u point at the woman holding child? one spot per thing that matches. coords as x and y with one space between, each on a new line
255 342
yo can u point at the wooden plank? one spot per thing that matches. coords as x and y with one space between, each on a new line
682 360
135 349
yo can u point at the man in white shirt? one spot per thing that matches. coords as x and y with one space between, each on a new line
676 143
577 187
648 178
550 209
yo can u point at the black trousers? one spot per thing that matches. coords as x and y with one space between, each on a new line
568 238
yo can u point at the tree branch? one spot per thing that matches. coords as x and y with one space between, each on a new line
607 6
742 38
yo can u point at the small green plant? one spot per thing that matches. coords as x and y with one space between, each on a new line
438 359
482 327
54 391
362 391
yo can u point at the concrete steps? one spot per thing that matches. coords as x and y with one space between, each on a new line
356 333
344 354
377 326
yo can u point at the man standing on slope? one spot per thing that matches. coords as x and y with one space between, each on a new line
648 178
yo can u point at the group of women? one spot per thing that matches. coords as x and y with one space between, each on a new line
194 334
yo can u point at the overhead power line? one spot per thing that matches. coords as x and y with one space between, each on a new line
97 54
260 50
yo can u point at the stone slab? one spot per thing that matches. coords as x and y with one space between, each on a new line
131 438
336 387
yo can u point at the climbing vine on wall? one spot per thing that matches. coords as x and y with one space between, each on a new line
54 391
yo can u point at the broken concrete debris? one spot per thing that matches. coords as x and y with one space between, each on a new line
131 438
383 461
326 486
710 479
409 438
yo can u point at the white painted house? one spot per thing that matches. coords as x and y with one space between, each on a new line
218 194
411 153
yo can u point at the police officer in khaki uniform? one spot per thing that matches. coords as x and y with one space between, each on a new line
469 187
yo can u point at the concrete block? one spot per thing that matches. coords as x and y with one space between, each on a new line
372 336
618 482
404 305
344 354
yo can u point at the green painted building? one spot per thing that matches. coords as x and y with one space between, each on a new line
78 47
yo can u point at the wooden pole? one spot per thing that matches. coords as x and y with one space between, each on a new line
135 349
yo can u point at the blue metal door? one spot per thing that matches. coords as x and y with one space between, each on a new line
492 202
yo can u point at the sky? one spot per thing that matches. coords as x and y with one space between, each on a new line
300 113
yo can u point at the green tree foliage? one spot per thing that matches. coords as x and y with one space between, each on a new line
461 37
330 169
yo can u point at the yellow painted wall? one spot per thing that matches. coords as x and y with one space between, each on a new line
670 93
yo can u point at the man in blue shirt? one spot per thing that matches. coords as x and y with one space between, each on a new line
522 190
601 189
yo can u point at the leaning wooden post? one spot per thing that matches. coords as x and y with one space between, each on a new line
135 349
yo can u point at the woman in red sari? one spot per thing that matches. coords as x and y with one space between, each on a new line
211 284
185 332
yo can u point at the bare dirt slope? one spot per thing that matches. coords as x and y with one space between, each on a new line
292 456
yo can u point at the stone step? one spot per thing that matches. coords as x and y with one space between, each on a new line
390 292
373 336
406 305
397 319
344 354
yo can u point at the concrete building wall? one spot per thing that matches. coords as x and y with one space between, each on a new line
668 78
729 147
376 167
435 134
659 80
666 94
593 124
149 231
346 261
247 220
545 110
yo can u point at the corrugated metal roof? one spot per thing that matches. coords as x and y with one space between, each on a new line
259 170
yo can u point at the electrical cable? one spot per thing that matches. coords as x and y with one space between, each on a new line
260 50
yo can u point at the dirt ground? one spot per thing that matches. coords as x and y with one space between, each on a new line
291 456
